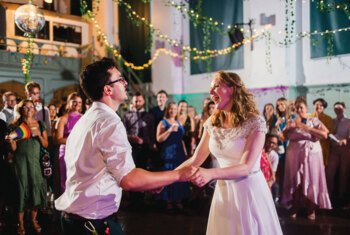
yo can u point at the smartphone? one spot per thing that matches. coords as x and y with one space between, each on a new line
303 120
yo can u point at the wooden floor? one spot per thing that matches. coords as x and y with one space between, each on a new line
152 219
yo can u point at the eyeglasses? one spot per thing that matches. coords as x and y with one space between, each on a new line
27 108
121 79
272 142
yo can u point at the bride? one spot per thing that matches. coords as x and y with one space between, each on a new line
235 135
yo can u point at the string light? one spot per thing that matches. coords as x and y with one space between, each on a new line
116 53
197 54
220 27
168 39
200 56
322 6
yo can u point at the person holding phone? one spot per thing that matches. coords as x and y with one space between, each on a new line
304 179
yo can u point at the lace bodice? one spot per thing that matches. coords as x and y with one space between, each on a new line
223 136
227 144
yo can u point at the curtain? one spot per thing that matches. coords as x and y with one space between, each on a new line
322 21
229 12
134 39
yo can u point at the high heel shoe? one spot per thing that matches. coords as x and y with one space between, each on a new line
312 216
293 213
21 230
36 226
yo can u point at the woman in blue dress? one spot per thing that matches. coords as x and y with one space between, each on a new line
169 134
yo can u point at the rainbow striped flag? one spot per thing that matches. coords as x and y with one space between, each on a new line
22 132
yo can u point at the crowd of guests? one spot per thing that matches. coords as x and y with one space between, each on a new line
305 160
313 155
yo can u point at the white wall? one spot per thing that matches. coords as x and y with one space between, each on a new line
291 66
108 21
321 70
165 74
255 72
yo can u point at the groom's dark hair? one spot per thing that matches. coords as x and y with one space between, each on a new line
95 77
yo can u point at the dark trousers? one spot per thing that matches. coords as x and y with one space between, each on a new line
141 154
71 225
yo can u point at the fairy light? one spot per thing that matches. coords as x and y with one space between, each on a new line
116 53
190 12
198 54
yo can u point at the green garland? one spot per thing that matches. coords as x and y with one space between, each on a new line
268 52
289 22
206 29
330 45
197 18
28 59
209 26
324 7
83 7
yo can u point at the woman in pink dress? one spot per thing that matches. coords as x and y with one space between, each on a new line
64 126
304 180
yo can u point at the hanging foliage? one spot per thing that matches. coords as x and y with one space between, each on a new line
329 7
268 52
209 26
28 59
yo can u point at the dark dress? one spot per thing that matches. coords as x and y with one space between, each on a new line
31 183
187 137
3 165
173 155
158 114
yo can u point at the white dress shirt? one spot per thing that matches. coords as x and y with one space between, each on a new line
342 128
40 117
273 158
7 115
98 156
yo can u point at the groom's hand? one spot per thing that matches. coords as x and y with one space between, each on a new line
186 173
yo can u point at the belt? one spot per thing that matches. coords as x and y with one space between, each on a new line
76 217
254 172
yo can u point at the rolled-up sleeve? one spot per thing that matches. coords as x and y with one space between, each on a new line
116 151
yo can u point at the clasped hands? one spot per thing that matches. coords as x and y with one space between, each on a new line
197 175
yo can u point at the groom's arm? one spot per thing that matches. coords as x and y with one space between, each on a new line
140 180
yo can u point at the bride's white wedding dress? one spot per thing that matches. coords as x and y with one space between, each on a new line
244 205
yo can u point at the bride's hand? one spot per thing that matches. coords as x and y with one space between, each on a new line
201 177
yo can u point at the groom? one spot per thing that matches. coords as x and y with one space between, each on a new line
98 158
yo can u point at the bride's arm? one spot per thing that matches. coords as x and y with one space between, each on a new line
251 152
201 153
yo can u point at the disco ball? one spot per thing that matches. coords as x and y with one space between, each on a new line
29 18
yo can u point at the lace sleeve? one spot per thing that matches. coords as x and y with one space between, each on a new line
207 126
255 124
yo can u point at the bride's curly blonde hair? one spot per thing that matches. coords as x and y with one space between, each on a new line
243 106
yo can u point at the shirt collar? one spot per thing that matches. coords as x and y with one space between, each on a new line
101 105
8 109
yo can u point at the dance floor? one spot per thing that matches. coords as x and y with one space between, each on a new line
153 220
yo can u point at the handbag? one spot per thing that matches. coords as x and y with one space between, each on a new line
45 162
